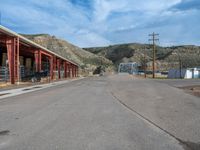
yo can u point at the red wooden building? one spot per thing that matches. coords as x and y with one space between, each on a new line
22 57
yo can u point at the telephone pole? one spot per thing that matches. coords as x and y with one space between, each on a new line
154 39
145 65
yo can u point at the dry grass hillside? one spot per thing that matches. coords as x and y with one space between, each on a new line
85 59
167 57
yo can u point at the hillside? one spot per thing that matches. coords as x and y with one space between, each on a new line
85 59
167 57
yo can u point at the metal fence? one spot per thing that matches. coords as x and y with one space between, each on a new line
4 74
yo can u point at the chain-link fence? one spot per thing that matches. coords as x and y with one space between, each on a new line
4 74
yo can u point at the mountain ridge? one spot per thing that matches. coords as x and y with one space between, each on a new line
107 56
167 57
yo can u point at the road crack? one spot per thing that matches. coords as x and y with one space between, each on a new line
186 145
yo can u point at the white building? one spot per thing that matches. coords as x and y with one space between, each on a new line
189 73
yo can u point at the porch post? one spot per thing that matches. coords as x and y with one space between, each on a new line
76 71
18 62
10 44
65 69
51 67
54 67
68 70
58 67
38 60
73 71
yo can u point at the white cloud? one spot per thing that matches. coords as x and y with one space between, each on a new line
106 22
86 38
103 8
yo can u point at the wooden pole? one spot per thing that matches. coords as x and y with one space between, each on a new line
153 35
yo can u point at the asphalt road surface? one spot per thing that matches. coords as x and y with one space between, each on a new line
101 113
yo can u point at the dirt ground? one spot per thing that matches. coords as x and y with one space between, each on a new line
194 90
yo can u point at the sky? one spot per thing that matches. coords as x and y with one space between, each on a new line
93 23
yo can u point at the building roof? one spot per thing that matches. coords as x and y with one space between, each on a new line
29 42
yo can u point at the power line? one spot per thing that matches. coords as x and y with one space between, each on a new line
154 39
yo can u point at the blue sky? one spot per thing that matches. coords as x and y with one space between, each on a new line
88 23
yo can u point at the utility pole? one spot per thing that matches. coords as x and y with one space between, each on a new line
145 63
154 39
180 67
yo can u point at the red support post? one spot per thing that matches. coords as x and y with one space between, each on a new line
76 71
38 61
73 71
61 68
36 55
51 67
10 44
54 66
70 71
65 69
18 62
58 67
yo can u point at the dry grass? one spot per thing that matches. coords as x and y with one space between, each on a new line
194 90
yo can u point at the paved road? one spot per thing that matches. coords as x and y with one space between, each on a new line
180 82
91 114
166 106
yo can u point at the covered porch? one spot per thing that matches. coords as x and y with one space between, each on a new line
23 60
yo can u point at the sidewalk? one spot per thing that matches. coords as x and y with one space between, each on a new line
18 91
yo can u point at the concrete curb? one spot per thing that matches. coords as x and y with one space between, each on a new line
28 89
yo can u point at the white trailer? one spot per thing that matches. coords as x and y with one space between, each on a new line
189 73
